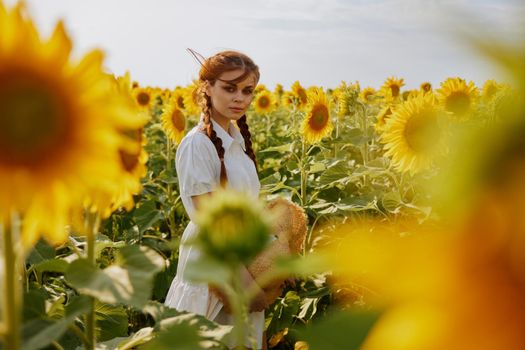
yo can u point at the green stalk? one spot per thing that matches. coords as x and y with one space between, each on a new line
169 193
237 303
12 300
304 173
92 224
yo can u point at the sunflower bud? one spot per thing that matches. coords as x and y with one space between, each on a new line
233 227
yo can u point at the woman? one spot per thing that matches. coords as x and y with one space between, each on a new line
216 153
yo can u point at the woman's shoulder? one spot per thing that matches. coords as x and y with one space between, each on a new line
196 140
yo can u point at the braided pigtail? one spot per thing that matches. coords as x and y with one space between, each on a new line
217 142
245 132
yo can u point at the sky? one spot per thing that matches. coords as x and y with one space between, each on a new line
318 42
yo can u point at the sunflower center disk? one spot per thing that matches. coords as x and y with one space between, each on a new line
421 132
178 120
34 120
319 118
264 102
143 99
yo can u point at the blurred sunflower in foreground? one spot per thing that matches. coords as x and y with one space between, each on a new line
59 126
458 283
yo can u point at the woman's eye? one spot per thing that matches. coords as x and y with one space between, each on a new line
229 89
248 92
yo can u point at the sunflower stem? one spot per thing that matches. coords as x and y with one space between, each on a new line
91 224
169 194
304 173
238 301
12 297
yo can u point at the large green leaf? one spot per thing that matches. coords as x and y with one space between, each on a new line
128 281
338 330
111 321
38 333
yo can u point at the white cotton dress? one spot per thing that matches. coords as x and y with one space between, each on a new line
198 170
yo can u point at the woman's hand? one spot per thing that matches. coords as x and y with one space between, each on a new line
259 302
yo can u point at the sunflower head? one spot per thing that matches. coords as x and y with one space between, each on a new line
391 88
367 95
412 135
490 89
278 91
317 123
233 227
458 97
173 121
383 117
264 102
425 87
287 100
300 95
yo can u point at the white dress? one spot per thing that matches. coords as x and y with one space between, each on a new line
198 170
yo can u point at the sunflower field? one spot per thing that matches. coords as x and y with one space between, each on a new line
414 200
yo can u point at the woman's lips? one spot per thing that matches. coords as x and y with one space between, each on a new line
236 109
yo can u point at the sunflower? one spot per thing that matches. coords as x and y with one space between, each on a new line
191 104
278 91
317 123
344 103
391 88
173 122
457 97
264 102
383 117
178 96
412 134
259 88
59 122
143 97
490 89
425 87
367 95
287 100
300 95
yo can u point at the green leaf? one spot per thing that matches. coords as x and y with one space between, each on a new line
129 281
39 333
168 176
111 321
183 336
41 252
147 215
102 242
34 304
281 149
142 336
338 330
391 201
336 172
317 167
52 265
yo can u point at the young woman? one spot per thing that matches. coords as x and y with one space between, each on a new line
217 153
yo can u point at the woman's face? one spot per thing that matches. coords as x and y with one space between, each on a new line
230 101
